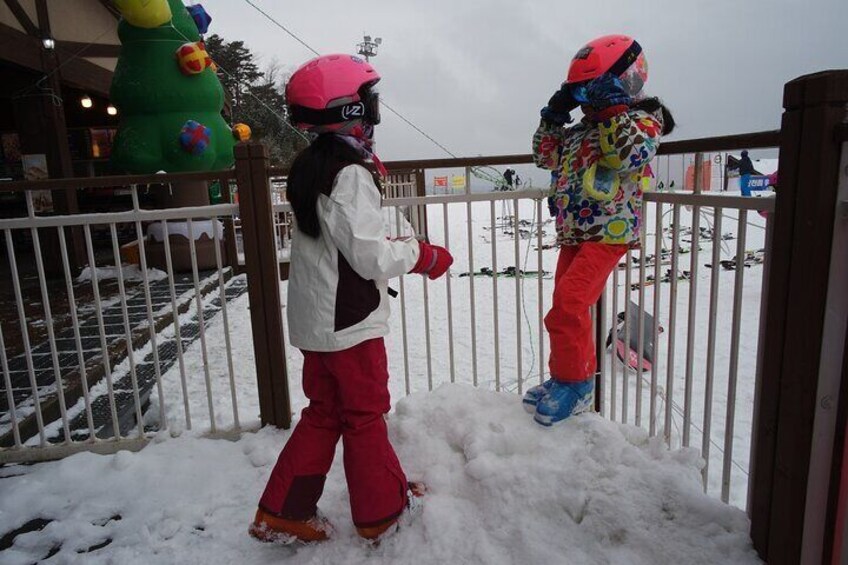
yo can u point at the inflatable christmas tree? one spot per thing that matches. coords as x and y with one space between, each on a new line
167 93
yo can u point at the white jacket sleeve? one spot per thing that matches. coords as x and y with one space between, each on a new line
355 224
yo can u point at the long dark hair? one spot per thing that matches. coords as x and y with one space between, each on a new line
312 173
652 105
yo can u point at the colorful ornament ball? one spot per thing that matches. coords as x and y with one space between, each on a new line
192 58
194 137
201 17
241 132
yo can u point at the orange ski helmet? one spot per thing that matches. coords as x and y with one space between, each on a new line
619 55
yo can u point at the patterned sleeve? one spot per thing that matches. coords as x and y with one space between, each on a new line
629 140
547 142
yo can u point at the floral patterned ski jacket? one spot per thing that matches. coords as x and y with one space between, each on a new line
600 171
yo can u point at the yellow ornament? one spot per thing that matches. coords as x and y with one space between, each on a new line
193 58
241 132
145 13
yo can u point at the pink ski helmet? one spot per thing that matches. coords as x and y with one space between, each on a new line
333 93
619 55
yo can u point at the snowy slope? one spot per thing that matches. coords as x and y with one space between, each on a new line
502 490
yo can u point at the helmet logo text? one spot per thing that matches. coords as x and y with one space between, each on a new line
352 111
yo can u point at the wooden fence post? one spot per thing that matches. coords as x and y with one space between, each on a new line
263 284
799 406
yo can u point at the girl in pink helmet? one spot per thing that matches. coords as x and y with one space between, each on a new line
338 309
600 168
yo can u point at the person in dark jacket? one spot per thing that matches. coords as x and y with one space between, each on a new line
746 167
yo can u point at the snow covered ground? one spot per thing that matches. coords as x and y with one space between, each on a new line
503 490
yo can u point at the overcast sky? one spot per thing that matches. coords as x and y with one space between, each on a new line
473 74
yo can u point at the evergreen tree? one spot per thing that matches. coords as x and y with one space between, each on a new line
256 98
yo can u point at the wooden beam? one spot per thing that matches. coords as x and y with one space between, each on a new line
111 8
24 50
81 49
22 17
43 17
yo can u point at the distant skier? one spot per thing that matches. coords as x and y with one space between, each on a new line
338 310
746 167
597 199
508 175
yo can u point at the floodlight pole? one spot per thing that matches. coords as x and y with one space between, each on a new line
368 47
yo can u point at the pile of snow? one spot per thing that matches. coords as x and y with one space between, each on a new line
130 272
501 490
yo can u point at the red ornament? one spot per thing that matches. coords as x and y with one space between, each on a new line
192 58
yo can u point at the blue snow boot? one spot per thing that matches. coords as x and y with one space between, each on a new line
535 394
564 400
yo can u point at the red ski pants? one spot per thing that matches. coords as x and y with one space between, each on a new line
581 274
348 396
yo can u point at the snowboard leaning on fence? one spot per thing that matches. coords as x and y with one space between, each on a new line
626 327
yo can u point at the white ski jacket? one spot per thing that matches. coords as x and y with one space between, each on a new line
337 295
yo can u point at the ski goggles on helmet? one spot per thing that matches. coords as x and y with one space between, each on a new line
579 92
371 100
367 109
631 69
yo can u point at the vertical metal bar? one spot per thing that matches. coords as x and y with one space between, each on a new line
404 332
148 305
658 236
222 293
178 336
518 280
691 324
640 340
735 331
25 335
427 344
104 345
706 440
69 284
494 232
540 299
10 397
470 231
450 298
600 336
51 336
127 329
614 357
201 323
625 368
672 321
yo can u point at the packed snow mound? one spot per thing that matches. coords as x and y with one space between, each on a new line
501 490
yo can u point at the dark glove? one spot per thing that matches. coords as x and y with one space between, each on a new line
559 107
552 207
433 260
605 91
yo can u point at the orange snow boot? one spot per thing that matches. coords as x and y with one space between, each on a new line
414 492
269 528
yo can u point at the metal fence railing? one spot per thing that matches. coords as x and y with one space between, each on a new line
698 273
482 325
101 360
